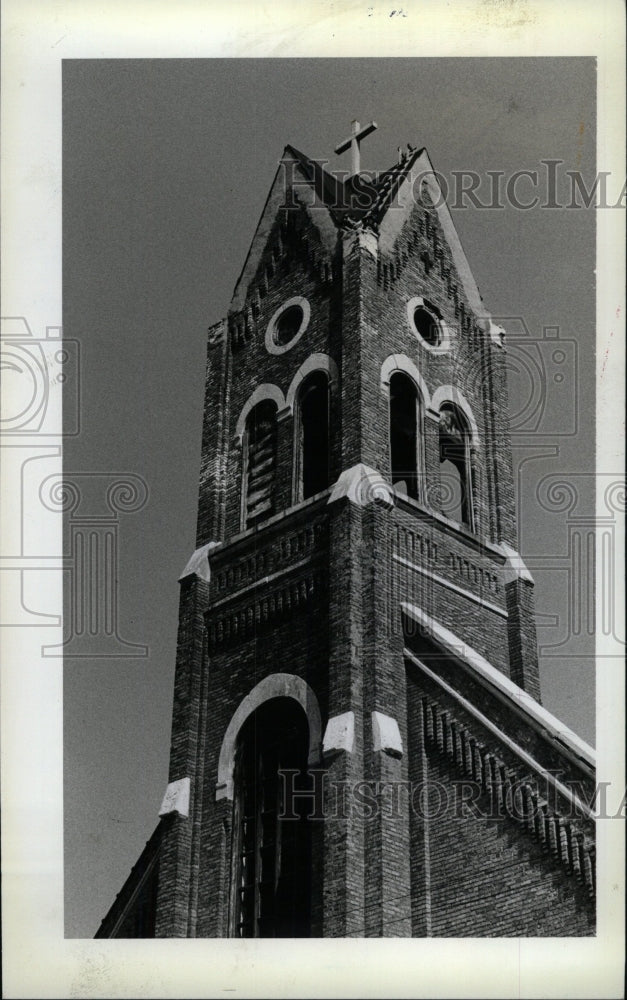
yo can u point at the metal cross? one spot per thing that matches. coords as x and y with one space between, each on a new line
353 142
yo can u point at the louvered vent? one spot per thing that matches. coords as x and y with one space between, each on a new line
261 463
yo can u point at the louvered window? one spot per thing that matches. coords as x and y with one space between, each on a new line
260 459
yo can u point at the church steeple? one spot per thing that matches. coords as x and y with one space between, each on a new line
356 615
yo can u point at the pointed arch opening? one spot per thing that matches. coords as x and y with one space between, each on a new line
259 455
405 420
456 486
271 852
312 436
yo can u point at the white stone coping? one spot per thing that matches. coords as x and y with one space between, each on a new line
362 485
386 736
514 568
176 798
504 688
497 333
198 563
547 775
339 734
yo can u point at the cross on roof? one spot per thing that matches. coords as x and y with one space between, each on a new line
353 142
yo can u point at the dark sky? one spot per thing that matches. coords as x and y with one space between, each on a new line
166 167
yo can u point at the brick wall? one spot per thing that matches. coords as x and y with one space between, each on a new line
476 872
316 592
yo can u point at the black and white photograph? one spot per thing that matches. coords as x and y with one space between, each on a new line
314 552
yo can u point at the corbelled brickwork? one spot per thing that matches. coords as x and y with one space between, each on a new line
406 639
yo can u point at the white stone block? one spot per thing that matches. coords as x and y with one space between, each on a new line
198 564
339 734
514 567
176 798
386 735
362 485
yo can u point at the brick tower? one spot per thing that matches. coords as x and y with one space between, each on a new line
358 745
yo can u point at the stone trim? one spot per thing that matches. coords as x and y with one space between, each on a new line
386 736
314 363
176 798
401 363
514 568
256 612
198 563
425 571
274 686
339 734
444 346
261 393
271 346
362 486
497 333
262 581
503 688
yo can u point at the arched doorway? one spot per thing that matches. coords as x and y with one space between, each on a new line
271 859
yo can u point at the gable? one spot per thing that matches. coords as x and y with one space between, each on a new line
420 177
295 189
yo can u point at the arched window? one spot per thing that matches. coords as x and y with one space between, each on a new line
259 463
405 435
455 468
312 436
271 864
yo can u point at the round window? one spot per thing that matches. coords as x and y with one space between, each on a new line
288 325
427 326
426 323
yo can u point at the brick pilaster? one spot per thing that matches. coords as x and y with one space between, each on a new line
176 903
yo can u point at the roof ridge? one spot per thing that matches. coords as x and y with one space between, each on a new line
336 192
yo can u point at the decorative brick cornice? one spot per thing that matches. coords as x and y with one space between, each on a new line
512 793
504 690
250 616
